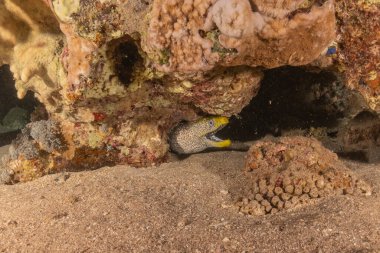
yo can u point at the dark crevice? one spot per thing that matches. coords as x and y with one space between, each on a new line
254 7
9 100
127 59
354 155
290 98
296 101
364 116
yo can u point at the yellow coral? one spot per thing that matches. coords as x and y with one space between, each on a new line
65 8
39 69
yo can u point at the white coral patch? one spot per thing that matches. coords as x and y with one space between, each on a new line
65 8
234 18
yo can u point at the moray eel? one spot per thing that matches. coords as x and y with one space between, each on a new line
195 137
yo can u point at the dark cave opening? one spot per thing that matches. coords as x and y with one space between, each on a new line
299 101
127 59
9 101
290 98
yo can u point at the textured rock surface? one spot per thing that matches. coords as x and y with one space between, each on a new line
117 75
293 171
359 50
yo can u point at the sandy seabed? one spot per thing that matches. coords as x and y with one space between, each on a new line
180 206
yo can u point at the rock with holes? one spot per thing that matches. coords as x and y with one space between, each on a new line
291 172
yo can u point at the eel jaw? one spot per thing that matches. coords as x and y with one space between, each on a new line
214 141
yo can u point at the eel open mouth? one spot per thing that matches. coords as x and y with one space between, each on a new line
212 137
220 123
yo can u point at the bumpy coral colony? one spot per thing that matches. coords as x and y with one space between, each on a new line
116 76
294 171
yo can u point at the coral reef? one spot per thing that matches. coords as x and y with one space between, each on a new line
116 76
225 93
187 36
290 172
359 47
35 152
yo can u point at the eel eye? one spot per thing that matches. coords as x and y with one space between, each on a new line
211 123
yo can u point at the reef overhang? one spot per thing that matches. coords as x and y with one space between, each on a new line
116 76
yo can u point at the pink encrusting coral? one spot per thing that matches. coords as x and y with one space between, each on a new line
188 36
115 76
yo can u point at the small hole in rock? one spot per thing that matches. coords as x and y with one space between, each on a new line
202 33
127 60
254 7
332 134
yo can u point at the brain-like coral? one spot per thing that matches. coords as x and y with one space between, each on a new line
294 171
116 76
188 36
